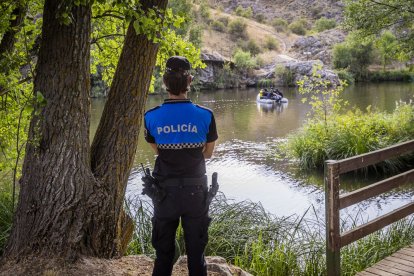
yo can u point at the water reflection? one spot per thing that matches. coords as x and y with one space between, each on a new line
245 160
272 107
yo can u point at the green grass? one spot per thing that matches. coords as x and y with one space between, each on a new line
395 75
6 216
352 134
258 242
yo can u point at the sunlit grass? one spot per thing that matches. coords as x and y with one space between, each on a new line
351 134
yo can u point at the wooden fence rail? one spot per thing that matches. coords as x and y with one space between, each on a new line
334 202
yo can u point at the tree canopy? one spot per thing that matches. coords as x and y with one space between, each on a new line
370 18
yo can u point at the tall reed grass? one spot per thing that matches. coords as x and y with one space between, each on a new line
6 216
351 134
258 242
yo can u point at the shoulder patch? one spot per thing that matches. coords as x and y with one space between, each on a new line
152 109
205 108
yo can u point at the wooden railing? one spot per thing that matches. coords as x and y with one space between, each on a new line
334 202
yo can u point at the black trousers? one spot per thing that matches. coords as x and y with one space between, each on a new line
188 204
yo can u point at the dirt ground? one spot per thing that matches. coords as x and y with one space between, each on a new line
126 266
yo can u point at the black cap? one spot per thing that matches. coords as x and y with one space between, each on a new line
175 63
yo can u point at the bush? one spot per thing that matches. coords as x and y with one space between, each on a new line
224 20
6 217
280 24
245 12
345 75
218 26
298 27
284 76
195 36
324 23
205 10
243 60
238 28
271 43
260 18
250 46
353 56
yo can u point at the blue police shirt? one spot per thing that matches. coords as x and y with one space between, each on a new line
180 129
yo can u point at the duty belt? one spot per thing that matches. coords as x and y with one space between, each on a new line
173 182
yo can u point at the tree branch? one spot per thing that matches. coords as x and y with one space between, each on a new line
94 40
391 6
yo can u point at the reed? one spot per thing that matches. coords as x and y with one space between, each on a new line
258 242
350 134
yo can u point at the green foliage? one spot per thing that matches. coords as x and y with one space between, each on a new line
224 20
284 75
346 76
324 23
369 18
280 24
351 134
182 8
321 95
245 12
260 18
243 60
225 76
205 10
394 75
250 46
6 215
298 27
265 83
353 55
238 28
271 43
388 47
218 26
195 36
109 28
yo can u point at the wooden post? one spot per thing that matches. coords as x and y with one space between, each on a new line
333 246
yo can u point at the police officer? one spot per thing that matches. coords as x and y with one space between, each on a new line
183 135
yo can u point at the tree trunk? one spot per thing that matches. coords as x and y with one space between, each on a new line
115 142
71 197
62 209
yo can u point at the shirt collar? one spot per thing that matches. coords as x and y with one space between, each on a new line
166 101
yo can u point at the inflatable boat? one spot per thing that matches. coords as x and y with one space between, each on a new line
270 101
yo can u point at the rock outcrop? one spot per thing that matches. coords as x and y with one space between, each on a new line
317 47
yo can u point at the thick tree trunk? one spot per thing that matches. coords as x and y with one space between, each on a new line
62 209
116 139
71 197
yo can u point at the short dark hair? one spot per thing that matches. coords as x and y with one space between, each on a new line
176 75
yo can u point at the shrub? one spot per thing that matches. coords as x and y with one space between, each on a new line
271 43
324 23
345 75
238 28
218 26
6 216
245 12
298 27
259 61
250 46
397 75
284 76
243 60
195 36
224 20
260 18
354 56
280 24
205 10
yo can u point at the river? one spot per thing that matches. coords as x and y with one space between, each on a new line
244 158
